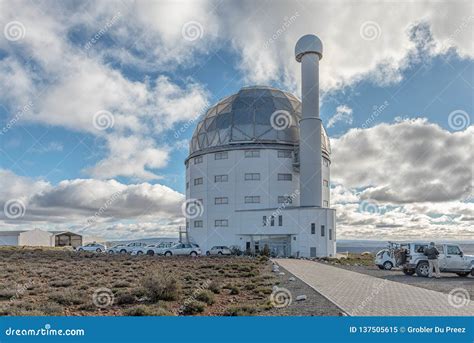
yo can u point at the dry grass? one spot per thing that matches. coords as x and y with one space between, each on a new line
60 282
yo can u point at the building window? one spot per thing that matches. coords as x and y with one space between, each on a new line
325 203
221 155
313 228
272 221
330 234
198 181
325 162
283 199
187 185
264 220
221 223
252 199
198 223
221 178
198 160
280 220
221 201
252 153
325 183
284 153
187 225
252 176
284 177
323 231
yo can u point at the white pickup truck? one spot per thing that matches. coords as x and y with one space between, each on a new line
451 259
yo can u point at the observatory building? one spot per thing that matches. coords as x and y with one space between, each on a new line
258 170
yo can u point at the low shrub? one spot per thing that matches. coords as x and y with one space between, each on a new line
142 310
158 286
193 307
205 296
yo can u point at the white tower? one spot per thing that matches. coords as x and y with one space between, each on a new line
308 51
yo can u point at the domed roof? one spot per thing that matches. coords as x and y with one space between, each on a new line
252 115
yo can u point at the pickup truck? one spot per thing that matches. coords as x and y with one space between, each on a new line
451 259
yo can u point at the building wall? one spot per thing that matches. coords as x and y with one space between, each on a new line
35 237
269 165
9 240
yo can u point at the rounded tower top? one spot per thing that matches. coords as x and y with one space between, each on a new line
308 44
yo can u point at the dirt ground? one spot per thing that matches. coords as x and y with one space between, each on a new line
58 282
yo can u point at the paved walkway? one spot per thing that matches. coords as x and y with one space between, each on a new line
364 295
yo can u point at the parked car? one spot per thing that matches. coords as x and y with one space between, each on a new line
390 257
451 260
96 247
153 249
183 249
125 248
219 250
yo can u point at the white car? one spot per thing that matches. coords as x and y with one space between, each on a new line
183 249
95 247
126 249
451 260
219 250
153 249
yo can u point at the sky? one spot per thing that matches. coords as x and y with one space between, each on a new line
98 101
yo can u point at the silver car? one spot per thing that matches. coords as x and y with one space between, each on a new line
95 247
183 249
219 250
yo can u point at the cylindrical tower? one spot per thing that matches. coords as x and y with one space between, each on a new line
308 51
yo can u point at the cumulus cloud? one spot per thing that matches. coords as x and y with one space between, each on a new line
92 206
407 161
343 114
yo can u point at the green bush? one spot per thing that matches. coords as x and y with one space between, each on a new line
142 310
205 296
193 307
214 287
159 286
240 311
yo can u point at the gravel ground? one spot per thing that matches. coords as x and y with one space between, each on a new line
314 305
445 284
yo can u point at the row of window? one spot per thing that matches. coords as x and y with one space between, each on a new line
247 177
255 199
224 155
323 231
267 221
217 223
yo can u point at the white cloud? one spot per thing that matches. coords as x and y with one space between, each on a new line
408 161
343 114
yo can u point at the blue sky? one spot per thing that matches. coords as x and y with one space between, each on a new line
154 66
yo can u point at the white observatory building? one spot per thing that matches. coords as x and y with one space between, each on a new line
258 170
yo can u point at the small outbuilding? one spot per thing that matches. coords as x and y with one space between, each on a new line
41 238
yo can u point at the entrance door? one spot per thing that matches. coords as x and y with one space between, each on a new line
312 252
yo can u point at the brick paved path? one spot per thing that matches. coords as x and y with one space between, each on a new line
364 295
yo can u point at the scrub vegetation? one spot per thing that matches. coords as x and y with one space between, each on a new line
50 281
